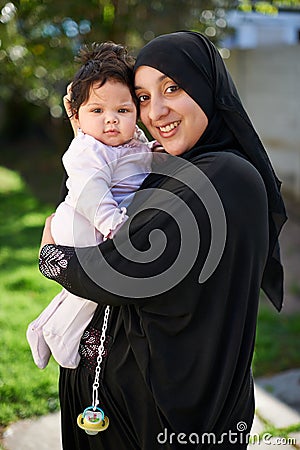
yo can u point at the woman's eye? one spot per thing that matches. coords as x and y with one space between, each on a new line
172 88
143 98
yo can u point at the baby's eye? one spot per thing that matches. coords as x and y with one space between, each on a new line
98 110
123 110
172 88
143 98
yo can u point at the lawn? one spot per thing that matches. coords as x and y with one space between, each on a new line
25 390
277 341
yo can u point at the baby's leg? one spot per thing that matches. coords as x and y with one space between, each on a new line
39 348
64 329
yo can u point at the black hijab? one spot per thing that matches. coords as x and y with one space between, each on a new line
192 61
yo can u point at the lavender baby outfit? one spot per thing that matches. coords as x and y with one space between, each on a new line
101 183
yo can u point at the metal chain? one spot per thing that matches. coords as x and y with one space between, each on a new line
100 357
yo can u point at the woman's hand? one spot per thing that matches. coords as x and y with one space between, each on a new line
70 113
47 236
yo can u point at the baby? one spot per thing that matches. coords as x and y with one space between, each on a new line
106 163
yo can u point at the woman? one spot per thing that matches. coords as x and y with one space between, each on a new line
179 343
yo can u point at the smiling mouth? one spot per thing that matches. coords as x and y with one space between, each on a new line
169 127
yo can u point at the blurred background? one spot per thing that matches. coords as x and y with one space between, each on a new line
259 41
260 44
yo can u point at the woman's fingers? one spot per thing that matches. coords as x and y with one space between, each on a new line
67 101
70 112
47 235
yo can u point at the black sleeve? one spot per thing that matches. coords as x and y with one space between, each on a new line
63 188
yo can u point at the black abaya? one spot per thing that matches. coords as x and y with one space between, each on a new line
178 362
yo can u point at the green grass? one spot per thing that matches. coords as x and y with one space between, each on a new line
277 342
26 391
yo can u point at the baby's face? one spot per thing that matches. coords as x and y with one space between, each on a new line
109 114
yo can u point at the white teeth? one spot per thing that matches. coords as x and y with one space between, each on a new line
169 127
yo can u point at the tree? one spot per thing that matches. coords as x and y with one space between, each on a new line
38 42
39 38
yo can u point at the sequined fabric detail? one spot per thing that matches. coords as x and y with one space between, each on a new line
54 261
88 348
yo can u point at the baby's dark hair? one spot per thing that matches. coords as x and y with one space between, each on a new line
100 63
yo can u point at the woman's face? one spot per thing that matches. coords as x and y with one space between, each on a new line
171 116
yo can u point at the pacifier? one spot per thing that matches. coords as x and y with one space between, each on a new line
93 420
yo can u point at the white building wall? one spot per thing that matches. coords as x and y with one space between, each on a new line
252 30
268 80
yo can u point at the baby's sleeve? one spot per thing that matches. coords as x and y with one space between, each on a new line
90 166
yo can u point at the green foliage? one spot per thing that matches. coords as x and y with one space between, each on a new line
39 38
260 7
268 7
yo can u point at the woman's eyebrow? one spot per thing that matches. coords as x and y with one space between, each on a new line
159 80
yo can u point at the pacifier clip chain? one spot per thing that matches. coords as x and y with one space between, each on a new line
93 420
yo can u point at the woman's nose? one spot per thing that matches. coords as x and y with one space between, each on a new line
157 109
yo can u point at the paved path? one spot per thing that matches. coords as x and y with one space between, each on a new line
271 409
